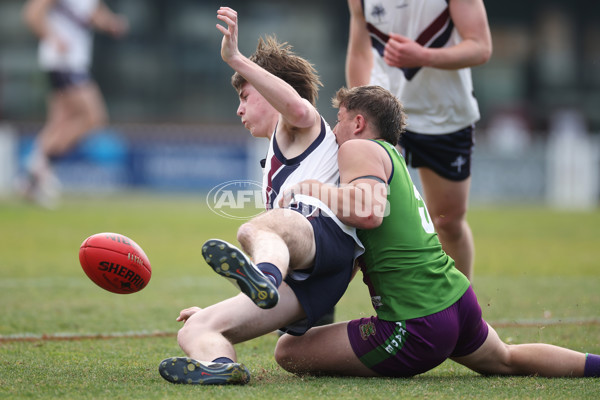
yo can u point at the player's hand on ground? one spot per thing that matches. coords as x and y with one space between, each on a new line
185 314
229 44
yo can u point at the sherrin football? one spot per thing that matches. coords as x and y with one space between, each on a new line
115 263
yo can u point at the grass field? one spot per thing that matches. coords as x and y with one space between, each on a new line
537 278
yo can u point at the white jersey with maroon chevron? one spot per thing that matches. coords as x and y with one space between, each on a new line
318 162
436 101
70 21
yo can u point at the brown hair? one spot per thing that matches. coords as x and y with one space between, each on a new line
381 109
279 59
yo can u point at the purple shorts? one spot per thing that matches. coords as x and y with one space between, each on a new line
414 346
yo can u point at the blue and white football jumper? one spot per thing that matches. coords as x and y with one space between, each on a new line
318 162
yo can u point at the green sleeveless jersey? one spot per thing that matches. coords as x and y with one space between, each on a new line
404 266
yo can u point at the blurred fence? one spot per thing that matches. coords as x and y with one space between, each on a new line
150 157
562 171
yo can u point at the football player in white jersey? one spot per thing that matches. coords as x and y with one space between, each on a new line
300 259
75 105
421 51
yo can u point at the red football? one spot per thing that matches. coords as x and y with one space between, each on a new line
115 263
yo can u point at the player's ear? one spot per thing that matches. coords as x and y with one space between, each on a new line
360 124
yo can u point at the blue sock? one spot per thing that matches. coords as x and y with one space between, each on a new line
223 360
592 365
271 272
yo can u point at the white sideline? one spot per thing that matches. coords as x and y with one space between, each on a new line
25 337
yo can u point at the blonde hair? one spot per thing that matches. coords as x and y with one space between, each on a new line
381 109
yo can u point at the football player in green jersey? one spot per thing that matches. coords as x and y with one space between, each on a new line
426 309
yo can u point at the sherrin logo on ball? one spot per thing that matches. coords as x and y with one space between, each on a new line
115 263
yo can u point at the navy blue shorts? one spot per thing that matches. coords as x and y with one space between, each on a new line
320 288
60 80
448 155
411 347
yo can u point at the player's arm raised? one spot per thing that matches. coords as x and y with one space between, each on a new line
359 56
295 110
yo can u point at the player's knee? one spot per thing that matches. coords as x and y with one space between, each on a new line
509 360
93 116
245 234
189 334
97 118
448 224
183 337
285 353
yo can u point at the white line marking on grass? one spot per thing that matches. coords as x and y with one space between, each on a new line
527 323
31 337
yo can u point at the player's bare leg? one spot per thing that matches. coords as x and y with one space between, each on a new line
323 350
72 113
447 203
79 109
495 357
275 242
210 334
289 238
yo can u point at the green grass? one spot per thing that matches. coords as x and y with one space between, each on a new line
533 265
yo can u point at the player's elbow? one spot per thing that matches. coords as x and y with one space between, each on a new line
28 16
301 115
370 213
362 220
485 52
371 222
